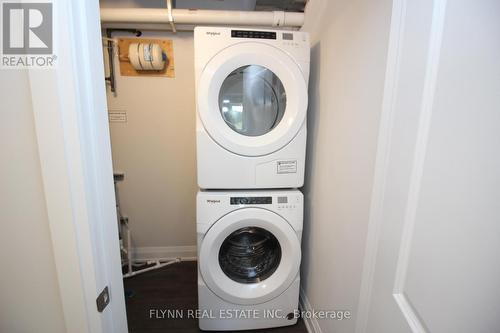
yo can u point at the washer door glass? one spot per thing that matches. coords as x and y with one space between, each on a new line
250 255
252 100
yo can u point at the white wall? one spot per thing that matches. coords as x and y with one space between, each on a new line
156 151
348 56
29 294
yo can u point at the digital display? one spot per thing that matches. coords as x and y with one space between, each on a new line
287 36
253 34
251 200
282 200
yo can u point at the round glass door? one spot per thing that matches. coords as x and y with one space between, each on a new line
252 100
250 255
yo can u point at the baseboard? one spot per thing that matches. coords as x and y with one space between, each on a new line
312 324
165 252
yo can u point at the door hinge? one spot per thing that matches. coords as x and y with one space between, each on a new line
102 300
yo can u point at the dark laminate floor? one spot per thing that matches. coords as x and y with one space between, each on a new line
171 287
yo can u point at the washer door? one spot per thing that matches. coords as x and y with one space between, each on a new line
252 99
250 256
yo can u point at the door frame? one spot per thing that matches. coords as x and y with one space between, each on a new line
391 83
70 113
383 161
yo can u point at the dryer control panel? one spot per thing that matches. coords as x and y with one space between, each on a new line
290 40
287 37
253 34
209 41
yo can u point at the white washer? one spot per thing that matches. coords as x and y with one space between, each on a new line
251 100
248 258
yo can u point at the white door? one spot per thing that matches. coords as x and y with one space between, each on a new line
250 256
432 256
252 98
69 104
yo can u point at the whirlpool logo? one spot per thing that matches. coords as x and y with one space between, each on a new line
213 201
27 34
213 33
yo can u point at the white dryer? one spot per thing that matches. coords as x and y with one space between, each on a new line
248 258
251 99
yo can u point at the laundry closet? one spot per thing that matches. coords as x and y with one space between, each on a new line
268 156
255 165
208 124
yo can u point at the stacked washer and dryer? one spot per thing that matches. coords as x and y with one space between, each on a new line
251 91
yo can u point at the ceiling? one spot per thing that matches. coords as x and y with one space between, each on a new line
286 5
260 5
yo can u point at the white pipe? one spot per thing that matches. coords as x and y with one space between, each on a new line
152 268
198 17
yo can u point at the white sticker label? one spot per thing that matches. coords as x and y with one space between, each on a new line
148 56
287 166
117 116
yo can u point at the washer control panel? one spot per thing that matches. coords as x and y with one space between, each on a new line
251 200
279 201
287 203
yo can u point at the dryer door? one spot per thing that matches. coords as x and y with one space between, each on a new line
252 98
250 256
